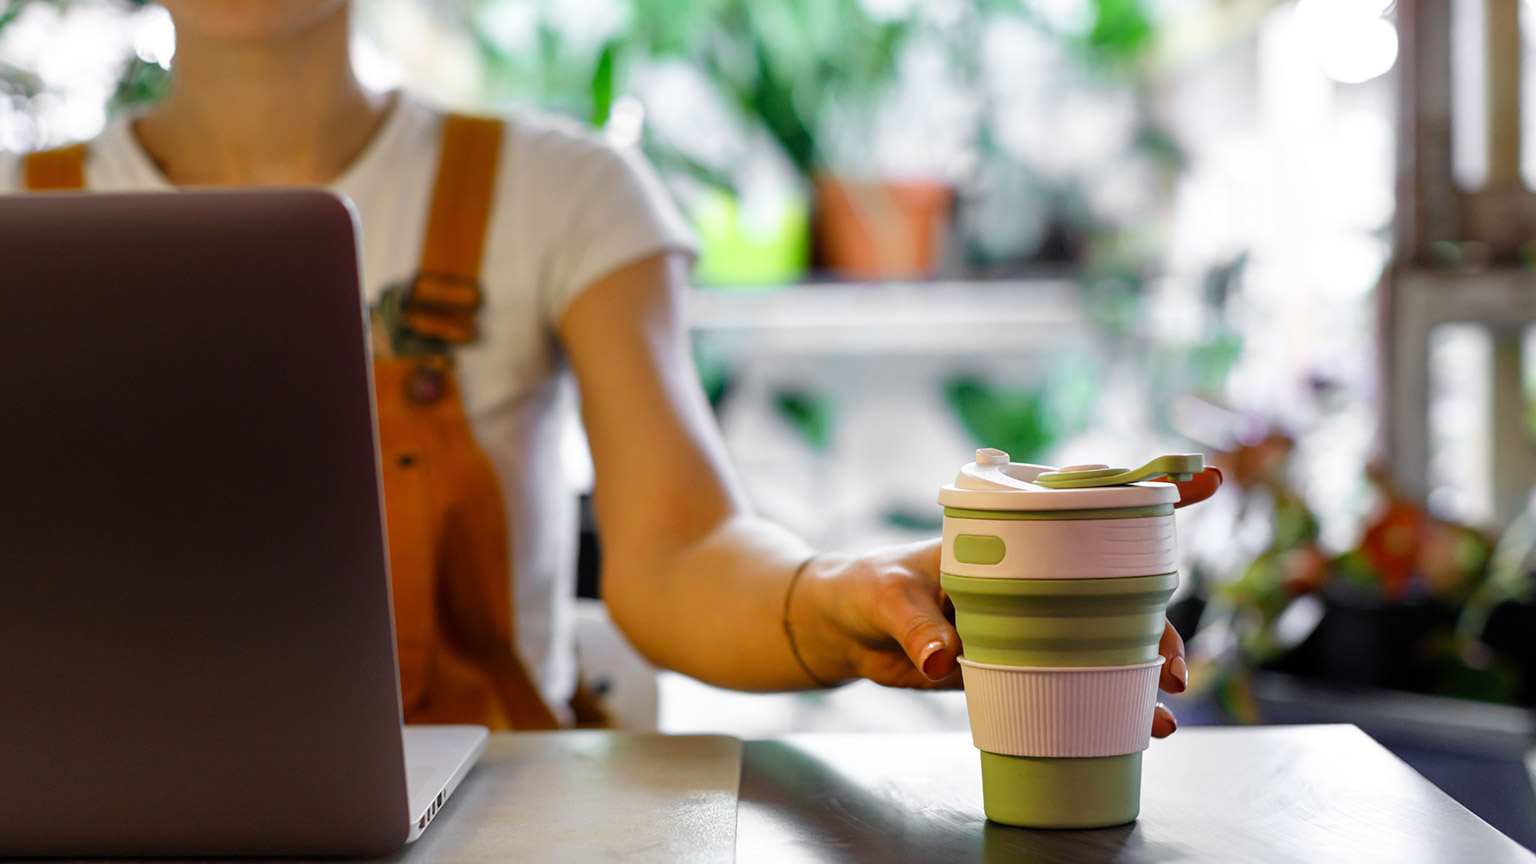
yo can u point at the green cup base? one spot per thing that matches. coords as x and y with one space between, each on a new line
1038 792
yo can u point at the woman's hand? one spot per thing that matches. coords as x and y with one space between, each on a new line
880 616
884 617
1174 679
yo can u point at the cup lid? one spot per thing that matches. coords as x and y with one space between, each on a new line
993 482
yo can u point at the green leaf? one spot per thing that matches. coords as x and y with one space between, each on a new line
603 88
1012 419
1121 29
811 415
141 84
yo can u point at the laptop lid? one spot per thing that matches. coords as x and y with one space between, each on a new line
196 649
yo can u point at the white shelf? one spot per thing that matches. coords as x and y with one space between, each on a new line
904 318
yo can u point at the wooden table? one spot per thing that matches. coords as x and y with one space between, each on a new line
1266 794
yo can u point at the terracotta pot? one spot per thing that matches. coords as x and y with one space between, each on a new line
882 230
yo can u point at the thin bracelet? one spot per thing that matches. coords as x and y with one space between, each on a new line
790 634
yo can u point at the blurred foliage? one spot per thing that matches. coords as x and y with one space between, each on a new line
12 9
1121 30
1014 420
1380 614
1499 616
915 521
778 62
141 84
785 65
812 415
716 374
1025 422
800 55
787 68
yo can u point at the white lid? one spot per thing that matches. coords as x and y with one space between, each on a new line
994 483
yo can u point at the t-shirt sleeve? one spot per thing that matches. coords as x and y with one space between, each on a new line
606 208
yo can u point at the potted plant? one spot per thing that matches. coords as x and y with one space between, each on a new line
804 68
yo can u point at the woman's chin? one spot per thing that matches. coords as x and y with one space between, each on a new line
250 21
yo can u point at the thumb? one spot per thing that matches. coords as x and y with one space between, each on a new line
916 620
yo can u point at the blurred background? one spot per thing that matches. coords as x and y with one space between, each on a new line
1295 235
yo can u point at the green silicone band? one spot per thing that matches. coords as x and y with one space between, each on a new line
1062 515
1092 792
979 549
1060 622
1115 586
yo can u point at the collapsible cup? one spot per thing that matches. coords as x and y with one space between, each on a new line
1060 579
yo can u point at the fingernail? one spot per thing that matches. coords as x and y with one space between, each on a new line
927 659
1180 670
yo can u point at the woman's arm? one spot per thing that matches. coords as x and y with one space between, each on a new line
696 581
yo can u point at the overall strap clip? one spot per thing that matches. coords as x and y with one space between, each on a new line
441 302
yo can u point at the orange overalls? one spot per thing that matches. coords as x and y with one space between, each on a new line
448 549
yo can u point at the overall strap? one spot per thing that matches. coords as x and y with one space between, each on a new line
442 303
445 295
55 170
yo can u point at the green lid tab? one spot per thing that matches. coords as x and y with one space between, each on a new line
1179 468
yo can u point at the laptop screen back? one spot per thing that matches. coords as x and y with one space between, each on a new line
196 653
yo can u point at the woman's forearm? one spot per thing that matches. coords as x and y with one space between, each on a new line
714 609
697 583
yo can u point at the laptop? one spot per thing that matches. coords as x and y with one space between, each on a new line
196 639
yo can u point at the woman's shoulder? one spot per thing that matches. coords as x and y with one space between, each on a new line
542 131
590 205
112 161
542 144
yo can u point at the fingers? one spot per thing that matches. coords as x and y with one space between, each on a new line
912 615
908 607
939 659
933 644
907 675
1175 674
1174 679
923 558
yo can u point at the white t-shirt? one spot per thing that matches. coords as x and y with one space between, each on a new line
568 210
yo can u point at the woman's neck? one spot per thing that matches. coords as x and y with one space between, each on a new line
284 112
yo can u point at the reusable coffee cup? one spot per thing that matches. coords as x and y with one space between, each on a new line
1060 579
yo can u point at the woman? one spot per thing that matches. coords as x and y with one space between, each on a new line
582 266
